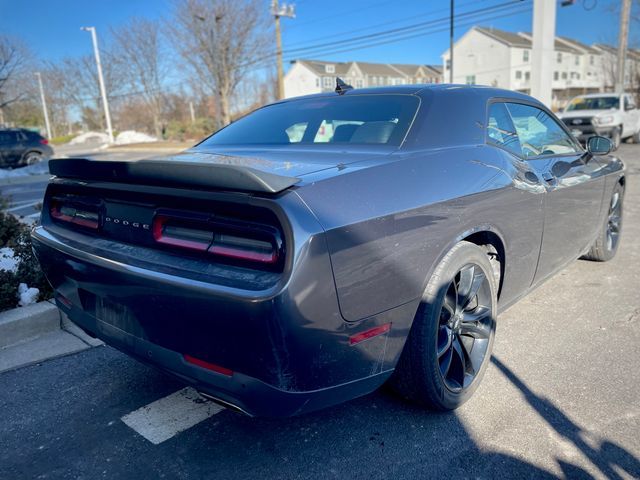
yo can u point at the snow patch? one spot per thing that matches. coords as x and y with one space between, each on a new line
8 261
39 168
90 137
131 136
27 295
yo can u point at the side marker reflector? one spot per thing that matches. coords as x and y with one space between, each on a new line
208 366
372 332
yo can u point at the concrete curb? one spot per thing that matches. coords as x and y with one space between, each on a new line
36 333
26 323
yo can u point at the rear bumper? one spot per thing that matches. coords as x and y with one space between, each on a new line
246 394
288 347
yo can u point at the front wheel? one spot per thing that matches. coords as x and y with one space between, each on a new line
451 339
31 157
616 138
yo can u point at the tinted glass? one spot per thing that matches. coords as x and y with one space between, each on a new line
593 103
357 119
500 129
539 133
8 138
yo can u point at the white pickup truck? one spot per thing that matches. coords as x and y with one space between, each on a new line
607 114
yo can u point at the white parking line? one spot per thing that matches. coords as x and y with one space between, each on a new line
23 204
165 418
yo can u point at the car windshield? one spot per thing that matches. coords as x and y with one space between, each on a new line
594 103
357 119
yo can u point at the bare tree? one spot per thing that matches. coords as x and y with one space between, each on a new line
137 47
220 40
76 80
13 60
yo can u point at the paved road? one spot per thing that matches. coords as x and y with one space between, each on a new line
560 399
24 194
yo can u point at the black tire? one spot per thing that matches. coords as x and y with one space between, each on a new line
616 138
30 158
606 244
636 137
422 375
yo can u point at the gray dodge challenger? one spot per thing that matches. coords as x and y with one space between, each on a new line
321 246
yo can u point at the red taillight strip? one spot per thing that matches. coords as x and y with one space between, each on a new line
367 334
213 247
83 222
244 254
208 366
158 234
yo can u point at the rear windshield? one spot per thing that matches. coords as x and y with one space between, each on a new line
358 119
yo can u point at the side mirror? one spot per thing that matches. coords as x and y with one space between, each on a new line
599 145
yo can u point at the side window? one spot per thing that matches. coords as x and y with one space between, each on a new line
539 133
500 129
628 103
8 138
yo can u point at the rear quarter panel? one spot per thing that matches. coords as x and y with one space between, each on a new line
389 225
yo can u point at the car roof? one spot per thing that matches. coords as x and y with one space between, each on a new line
438 89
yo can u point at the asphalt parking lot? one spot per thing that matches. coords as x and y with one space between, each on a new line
560 399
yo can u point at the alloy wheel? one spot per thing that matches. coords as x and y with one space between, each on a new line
465 327
614 221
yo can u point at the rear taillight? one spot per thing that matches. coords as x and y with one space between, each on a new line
249 243
83 215
44 141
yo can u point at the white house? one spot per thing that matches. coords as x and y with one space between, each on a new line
315 76
488 56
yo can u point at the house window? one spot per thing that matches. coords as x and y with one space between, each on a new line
330 68
470 79
559 57
564 75
518 74
359 83
447 64
374 80
317 82
591 60
556 76
577 60
527 75
327 82
525 55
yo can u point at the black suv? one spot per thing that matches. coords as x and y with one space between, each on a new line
20 147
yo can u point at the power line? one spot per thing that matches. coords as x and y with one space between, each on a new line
421 34
386 33
416 26
335 36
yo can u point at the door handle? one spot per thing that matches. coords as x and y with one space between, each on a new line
550 179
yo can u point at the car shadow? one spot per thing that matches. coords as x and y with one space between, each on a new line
382 436
606 457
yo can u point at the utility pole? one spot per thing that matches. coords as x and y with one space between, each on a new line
103 91
622 45
543 47
285 10
44 105
451 43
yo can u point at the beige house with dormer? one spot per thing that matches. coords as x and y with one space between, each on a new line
315 76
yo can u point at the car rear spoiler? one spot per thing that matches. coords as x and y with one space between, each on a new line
172 173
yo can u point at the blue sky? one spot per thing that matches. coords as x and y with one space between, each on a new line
52 29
